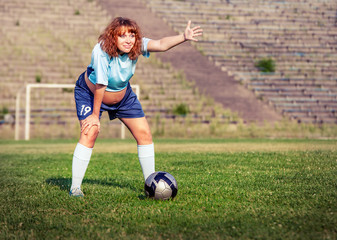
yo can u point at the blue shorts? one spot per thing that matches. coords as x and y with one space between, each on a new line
128 107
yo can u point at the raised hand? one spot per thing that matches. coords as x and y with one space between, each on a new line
191 33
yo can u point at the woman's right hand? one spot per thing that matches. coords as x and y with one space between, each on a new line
89 122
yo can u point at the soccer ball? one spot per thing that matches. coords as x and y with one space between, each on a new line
161 185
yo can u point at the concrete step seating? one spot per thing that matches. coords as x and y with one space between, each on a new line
299 36
51 42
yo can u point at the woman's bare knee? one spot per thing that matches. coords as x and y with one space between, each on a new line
144 137
89 139
140 130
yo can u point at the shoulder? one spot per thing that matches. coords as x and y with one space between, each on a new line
97 48
98 51
145 40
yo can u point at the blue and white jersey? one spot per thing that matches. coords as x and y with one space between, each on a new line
113 72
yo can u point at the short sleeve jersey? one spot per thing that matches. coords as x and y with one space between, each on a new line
113 72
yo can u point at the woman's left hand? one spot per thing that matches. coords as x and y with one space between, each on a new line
191 33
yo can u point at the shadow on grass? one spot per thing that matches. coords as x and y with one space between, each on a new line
65 183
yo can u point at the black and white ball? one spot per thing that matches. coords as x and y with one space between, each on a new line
161 185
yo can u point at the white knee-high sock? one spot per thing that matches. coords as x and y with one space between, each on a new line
146 159
81 158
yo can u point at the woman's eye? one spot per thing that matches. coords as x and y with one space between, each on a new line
125 36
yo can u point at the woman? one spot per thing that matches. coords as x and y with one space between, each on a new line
105 86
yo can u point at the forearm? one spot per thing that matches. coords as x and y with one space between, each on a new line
98 98
167 43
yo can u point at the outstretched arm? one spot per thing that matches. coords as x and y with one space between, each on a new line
167 43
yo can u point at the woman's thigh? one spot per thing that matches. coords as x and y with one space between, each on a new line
140 129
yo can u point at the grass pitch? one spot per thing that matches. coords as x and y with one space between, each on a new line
228 189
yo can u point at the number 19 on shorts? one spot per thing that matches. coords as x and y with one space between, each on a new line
85 110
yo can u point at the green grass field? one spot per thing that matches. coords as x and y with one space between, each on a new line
228 189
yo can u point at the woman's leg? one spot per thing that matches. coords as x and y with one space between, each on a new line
140 130
81 158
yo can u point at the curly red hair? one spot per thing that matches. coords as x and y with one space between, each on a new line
118 27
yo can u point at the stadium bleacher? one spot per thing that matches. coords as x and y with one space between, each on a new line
300 36
51 41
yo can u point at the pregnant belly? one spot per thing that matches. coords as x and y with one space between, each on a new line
109 98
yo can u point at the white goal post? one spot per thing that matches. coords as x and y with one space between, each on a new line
28 88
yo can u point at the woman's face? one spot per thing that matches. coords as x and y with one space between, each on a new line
125 42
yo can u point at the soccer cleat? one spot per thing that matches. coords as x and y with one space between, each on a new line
76 192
